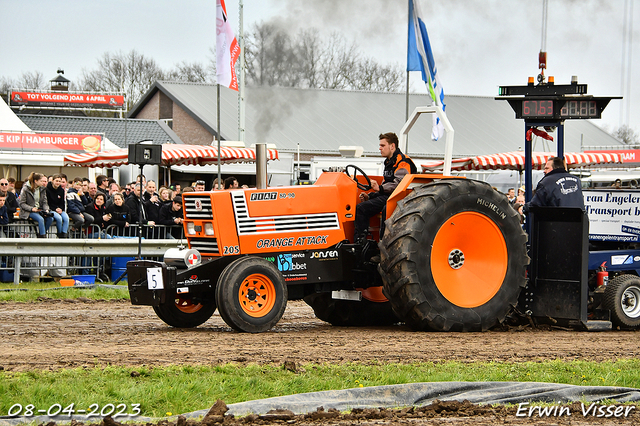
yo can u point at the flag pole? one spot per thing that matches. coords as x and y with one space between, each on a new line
406 113
218 133
241 105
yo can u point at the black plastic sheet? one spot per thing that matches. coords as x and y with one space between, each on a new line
395 396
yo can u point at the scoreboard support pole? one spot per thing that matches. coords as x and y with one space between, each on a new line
528 156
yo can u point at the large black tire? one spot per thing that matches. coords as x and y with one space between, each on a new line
251 294
346 313
622 299
453 257
183 313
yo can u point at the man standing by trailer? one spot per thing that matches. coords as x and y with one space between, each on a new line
396 166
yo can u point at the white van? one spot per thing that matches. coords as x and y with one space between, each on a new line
628 179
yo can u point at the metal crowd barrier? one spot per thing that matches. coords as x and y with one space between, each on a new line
89 251
156 231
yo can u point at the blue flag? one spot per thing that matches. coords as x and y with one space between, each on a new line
420 58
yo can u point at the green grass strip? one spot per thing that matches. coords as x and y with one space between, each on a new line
181 389
33 292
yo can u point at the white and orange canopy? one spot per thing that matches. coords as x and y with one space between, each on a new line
515 161
172 154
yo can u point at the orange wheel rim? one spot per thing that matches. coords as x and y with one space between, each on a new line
187 306
373 294
257 295
469 259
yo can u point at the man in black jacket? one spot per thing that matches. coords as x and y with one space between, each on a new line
133 202
558 188
151 201
171 214
396 166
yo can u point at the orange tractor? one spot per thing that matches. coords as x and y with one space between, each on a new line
453 257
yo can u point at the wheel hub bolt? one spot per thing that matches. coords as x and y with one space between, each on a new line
456 259
252 294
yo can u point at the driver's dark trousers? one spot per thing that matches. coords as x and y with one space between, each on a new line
367 209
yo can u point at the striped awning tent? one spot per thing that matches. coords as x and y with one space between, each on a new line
515 161
172 155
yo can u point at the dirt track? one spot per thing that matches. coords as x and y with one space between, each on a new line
61 334
58 334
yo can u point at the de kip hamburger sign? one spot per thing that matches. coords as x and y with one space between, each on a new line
27 142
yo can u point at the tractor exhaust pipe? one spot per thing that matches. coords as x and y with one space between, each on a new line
261 166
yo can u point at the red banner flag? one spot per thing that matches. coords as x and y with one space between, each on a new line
227 49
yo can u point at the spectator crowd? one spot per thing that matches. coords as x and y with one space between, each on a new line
84 208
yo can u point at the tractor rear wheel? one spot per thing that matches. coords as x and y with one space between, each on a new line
251 294
184 313
344 313
622 298
453 257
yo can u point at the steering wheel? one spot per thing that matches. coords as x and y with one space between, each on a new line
357 169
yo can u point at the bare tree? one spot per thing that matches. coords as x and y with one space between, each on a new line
31 80
310 54
627 135
194 72
131 73
369 75
274 58
7 84
339 64
271 55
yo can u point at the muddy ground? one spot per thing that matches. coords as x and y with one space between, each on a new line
54 334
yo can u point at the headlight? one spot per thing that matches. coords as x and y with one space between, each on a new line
208 228
191 228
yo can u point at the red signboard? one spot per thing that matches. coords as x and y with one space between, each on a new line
50 142
627 155
67 100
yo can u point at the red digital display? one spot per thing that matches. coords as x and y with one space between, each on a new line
537 109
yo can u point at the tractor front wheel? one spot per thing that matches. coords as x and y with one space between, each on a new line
251 295
184 313
622 298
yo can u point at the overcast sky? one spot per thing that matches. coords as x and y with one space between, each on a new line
478 44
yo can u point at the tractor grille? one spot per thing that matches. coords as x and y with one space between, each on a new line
204 245
198 208
248 225
288 223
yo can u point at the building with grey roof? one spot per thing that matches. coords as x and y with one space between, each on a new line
121 132
318 121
